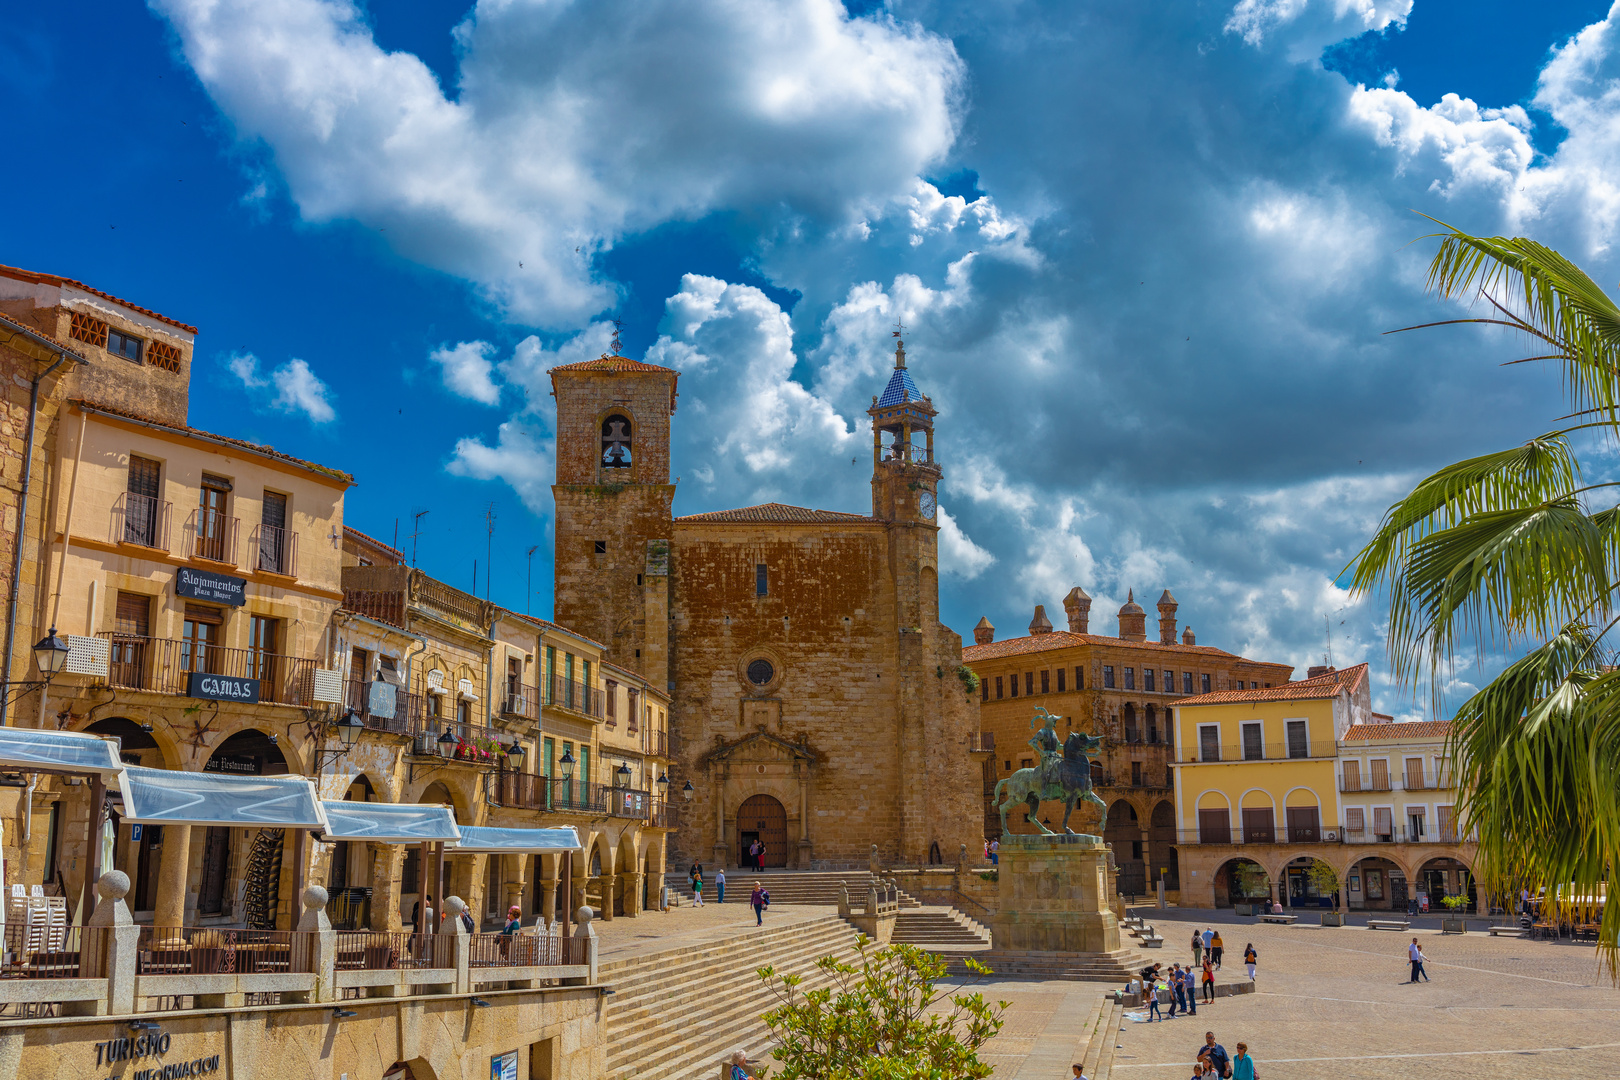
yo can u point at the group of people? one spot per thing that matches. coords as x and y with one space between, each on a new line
992 851
1214 1061
1181 983
759 900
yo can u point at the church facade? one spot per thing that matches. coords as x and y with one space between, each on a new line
817 702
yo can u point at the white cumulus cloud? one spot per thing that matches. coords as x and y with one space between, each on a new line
298 389
467 371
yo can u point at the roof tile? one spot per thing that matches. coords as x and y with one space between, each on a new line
1063 639
1420 729
1323 686
613 363
186 429
778 513
57 279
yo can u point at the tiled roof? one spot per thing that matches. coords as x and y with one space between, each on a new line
613 363
1063 639
183 429
55 279
1422 729
350 530
900 389
1323 686
779 513
7 320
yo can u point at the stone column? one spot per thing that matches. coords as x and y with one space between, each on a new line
172 874
604 884
803 862
514 888
720 849
386 900
630 889
459 941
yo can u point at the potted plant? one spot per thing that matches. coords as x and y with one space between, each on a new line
1326 881
1454 923
1251 881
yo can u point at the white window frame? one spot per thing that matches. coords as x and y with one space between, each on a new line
1219 750
1296 720
1244 726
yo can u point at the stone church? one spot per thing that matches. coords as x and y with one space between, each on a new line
818 705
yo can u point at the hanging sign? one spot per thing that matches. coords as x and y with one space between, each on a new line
222 688
215 588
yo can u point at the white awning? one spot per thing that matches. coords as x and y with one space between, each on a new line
164 797
390 823
517 841
66 751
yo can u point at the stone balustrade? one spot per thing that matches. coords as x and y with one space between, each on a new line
111 966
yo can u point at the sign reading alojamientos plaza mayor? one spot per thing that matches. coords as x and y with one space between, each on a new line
214 588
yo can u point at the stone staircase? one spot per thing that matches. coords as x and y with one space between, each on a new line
675 1014
817 887
939 928
1113 967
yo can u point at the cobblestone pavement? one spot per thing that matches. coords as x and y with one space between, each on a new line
1333 1003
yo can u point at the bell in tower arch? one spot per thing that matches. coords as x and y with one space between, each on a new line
616 442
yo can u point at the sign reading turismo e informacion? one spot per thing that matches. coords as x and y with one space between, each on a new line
215 588
200 684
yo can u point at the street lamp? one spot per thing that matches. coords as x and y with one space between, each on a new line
568 764
687 792
349 728
663 785
447 744
515 752
51 655
621 775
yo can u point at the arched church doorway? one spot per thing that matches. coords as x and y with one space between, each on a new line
762 818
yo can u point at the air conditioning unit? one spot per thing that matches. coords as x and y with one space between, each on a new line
1332 836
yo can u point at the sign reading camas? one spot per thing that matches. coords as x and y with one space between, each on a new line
200 684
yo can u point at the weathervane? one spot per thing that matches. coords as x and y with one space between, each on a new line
618 325
899 344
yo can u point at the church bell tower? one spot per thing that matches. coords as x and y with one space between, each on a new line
905 479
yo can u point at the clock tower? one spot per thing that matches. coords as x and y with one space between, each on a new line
905 479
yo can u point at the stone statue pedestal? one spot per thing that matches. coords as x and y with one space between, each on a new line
1054 896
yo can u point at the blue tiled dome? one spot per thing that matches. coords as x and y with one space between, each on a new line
900 389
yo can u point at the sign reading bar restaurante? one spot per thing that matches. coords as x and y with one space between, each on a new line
215 588
200 684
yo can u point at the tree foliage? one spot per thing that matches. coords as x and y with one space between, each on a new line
1514 550
883 1017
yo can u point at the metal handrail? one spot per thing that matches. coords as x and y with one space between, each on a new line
141 520
164 665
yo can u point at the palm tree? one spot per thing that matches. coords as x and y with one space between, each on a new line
1512 550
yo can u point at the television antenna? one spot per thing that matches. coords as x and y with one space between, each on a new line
416 531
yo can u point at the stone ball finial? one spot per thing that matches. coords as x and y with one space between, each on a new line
584 915
315 897
454 906
113 885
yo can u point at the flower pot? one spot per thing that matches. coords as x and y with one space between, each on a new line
1449 925
1332 918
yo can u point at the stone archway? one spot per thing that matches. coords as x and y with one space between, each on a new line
762 818
1370 884
1124 834
1236 883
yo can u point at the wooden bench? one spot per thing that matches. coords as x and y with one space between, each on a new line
1507 931
1284 919
1388 924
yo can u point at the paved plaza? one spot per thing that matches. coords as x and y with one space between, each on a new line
1333 1003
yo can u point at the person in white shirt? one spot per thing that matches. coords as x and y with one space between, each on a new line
1415 955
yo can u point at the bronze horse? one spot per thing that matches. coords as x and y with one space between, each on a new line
1071 786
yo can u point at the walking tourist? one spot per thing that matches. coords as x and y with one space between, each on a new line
760 900
1198 947
1243 1064
416 916
720 885
1178 991
697 888
1250 959
1415 955
1209 938
1189 979
1209 983
755 850
1079 1073
995 852
1217 948
1200 1069
739 1067
1215 1055
1154 988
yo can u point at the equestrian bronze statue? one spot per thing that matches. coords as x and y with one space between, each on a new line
1063 775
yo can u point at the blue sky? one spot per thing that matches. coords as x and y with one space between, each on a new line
1148 253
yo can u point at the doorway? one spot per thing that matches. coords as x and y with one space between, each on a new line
762 818
215 870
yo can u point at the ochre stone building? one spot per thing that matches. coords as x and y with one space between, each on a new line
1120 687
817 703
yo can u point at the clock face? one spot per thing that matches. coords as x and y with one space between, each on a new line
926 505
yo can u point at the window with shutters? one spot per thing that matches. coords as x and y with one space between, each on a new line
1108 676
635 710
1304 824
1147 679
131 629
1298 741
1414 774
762 580
1253 747
1079 678
1203 683
1061 674
1352 776
1029 682
1136 774
984 689
1169 682
1355 821
141 502
1013 680
998 688
1209 742
1214 827
1130 678
1446 820
274 542
1380 774
1046 682
199 639
1186 682
1383 823
1259 825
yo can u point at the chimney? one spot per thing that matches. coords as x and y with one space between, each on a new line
1132 619
1040 624
984 633
1318 670
1167 619
1078 605
1187 637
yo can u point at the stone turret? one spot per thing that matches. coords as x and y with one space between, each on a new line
1040 624
1132 619
1167 619
1078 606
984 633
1187 637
